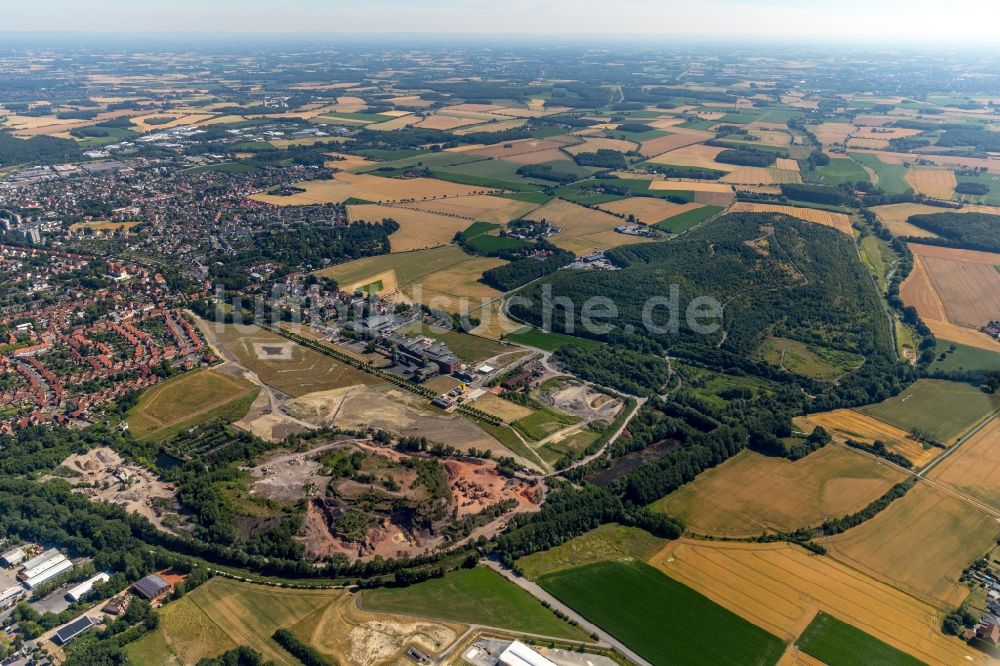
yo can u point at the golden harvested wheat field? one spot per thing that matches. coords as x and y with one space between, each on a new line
491 126
345 161
417 229
698 155
676 139
918 291
524 146
346 185
920 544
751 493
849 424
440 122
828 133
647 209
937 183
475 207
894 217
974 470
966 282
761 176
395 123
691 186
780 587
785 163
583 230
838 221
592 145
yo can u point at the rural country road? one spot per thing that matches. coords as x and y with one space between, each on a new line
540 594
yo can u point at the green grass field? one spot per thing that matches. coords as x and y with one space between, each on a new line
842 170
837 643
688 219
992 181
584 194
187 400
610 542
944 410
539 198
664 621
891 177
544 422
802 359
960 357
533 337
477 596
498 171
202 624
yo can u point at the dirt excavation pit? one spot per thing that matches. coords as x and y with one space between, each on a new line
475 486
103 476
582 401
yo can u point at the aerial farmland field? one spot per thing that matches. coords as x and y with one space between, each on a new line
658 617
780 587
920 544
974 469
751 493
840 644
944 410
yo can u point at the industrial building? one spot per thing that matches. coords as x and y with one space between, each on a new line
58 568
424 356
13 557
11 596
84 588
44 567
519 654
70 631
152 587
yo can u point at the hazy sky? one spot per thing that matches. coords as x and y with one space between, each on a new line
961 21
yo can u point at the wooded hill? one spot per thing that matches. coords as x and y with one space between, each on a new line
773 275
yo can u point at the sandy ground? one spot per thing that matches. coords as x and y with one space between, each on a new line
580 400
135 494
354 636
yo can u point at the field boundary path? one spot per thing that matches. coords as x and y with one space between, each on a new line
539 593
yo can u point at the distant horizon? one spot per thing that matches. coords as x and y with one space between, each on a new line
492 39
888 22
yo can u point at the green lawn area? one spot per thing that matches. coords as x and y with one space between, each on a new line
664 621
944 410
837 643
534 337
842 170
585 194
811 361
891 177
552 452
539 198
610 542
874 253
389 154
500 173
992 181
544 422
187 400
960 357
688 219
712 387
476 596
